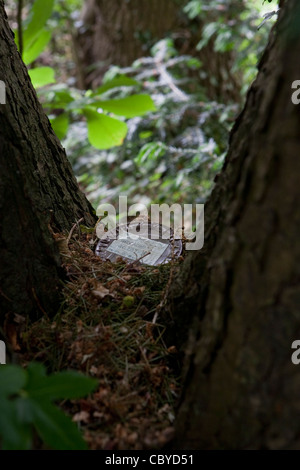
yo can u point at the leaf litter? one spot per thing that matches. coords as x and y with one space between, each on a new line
108 328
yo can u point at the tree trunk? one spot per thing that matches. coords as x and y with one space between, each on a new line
37 189
242 290
119 32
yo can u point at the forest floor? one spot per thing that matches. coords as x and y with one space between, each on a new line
108 327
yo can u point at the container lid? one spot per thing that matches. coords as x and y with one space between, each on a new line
139 241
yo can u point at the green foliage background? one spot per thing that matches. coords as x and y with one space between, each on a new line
151 133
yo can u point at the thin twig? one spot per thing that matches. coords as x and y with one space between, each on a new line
139 259
73 228
167 287
5 296
168 79
39 304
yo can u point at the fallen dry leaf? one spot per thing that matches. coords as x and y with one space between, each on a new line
81 416
100 292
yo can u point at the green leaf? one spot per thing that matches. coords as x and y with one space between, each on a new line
103 131
60 97
37 46
25 400
68 384
150 151
194 63
41 76
60 125
131 106
55 428
41 12
12 380
15 435
36 369
36 373
121 80
145 134
209 30
193 8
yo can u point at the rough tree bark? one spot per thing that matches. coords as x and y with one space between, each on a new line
37 188
242 290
